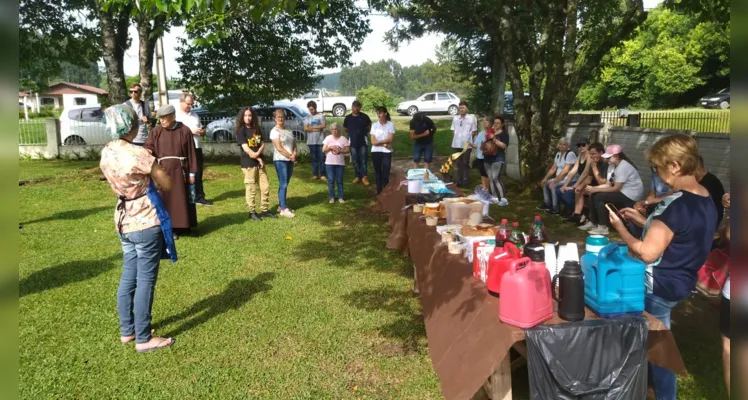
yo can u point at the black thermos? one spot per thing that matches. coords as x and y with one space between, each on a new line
570 291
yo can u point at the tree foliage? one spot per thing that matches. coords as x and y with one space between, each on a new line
260 61
406 82
559 42
673 59
372 97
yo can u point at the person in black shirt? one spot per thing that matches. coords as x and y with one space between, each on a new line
422 130
249 138
712 184
357 125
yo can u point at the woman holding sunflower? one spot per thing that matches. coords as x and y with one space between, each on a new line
249 138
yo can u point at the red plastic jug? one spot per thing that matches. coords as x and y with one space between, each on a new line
499 263
526 294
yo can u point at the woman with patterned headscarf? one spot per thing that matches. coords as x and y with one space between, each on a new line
134 176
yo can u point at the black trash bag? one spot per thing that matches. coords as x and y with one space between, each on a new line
423 198
604 359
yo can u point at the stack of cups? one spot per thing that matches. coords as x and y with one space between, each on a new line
567 252
550 258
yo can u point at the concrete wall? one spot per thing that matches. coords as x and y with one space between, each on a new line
714 147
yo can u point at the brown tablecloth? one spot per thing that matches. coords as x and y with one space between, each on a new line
467 341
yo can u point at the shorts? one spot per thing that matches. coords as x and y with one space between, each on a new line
724 317
423 149
481 167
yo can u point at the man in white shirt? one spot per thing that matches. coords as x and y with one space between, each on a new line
464 128
189 118
144 113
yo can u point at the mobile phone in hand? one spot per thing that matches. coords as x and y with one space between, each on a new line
614 210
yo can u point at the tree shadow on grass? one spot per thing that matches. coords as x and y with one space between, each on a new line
236 294
408 329
216 222
67 273
70 215
232 194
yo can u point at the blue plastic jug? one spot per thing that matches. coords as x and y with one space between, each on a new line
618 282
593 245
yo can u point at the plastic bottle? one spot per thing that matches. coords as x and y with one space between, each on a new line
538 234
517 237
193 193
502 235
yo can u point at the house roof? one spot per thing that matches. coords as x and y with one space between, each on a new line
74 88
23 94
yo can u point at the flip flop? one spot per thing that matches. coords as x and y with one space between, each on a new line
158 346
127 339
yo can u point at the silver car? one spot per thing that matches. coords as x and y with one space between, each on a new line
222 130
81 125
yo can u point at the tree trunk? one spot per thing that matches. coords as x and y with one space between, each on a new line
147 36
114 38
498 81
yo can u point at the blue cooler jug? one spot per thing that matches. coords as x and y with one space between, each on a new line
592 247
618 281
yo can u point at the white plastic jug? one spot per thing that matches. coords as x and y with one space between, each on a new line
414 185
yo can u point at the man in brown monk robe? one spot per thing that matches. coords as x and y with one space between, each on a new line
172 145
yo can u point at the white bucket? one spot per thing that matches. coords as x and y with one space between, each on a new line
414 185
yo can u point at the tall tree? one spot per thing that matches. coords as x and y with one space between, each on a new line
114 20
260 61
560 42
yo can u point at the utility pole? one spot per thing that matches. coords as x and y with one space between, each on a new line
163 94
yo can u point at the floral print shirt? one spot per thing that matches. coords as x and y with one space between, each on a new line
127 168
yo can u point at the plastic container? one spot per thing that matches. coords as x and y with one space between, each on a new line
488 243
592 247
458 213
526 293
483 255
538 234
499 263
617 283
502 235
414 185
517 237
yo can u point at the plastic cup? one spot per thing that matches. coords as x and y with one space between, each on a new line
550 258
573 252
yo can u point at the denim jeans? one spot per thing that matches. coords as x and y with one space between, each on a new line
335 177
425 150
382 163
550 194
141 251
360 159
566 197
284 169
318 159
663 380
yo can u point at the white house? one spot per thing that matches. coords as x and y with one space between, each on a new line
66 94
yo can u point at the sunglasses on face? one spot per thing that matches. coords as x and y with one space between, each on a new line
135 91
581 145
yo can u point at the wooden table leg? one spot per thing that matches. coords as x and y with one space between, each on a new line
415 280
499 384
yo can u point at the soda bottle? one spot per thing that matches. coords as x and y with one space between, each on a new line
517 237
538 235
502 235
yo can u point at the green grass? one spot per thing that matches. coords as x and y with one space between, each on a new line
313 307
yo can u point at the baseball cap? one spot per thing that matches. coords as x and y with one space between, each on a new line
611 150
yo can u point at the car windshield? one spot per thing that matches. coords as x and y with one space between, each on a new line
299 111
724 91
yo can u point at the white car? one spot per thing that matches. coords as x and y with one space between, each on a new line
434 102
337 105
81 125
222 130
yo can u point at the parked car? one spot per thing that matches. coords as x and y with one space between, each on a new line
435 102
720 99
80 125
222 130
337 105
173 99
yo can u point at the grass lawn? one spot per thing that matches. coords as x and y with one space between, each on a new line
309 308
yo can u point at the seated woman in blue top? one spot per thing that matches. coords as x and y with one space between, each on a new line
677 237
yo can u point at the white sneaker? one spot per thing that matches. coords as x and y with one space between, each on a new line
586 226
599 230
503 202
287 213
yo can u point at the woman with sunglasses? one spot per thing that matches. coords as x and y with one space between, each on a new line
624 189
677 238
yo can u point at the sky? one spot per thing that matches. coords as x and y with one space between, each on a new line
372 50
